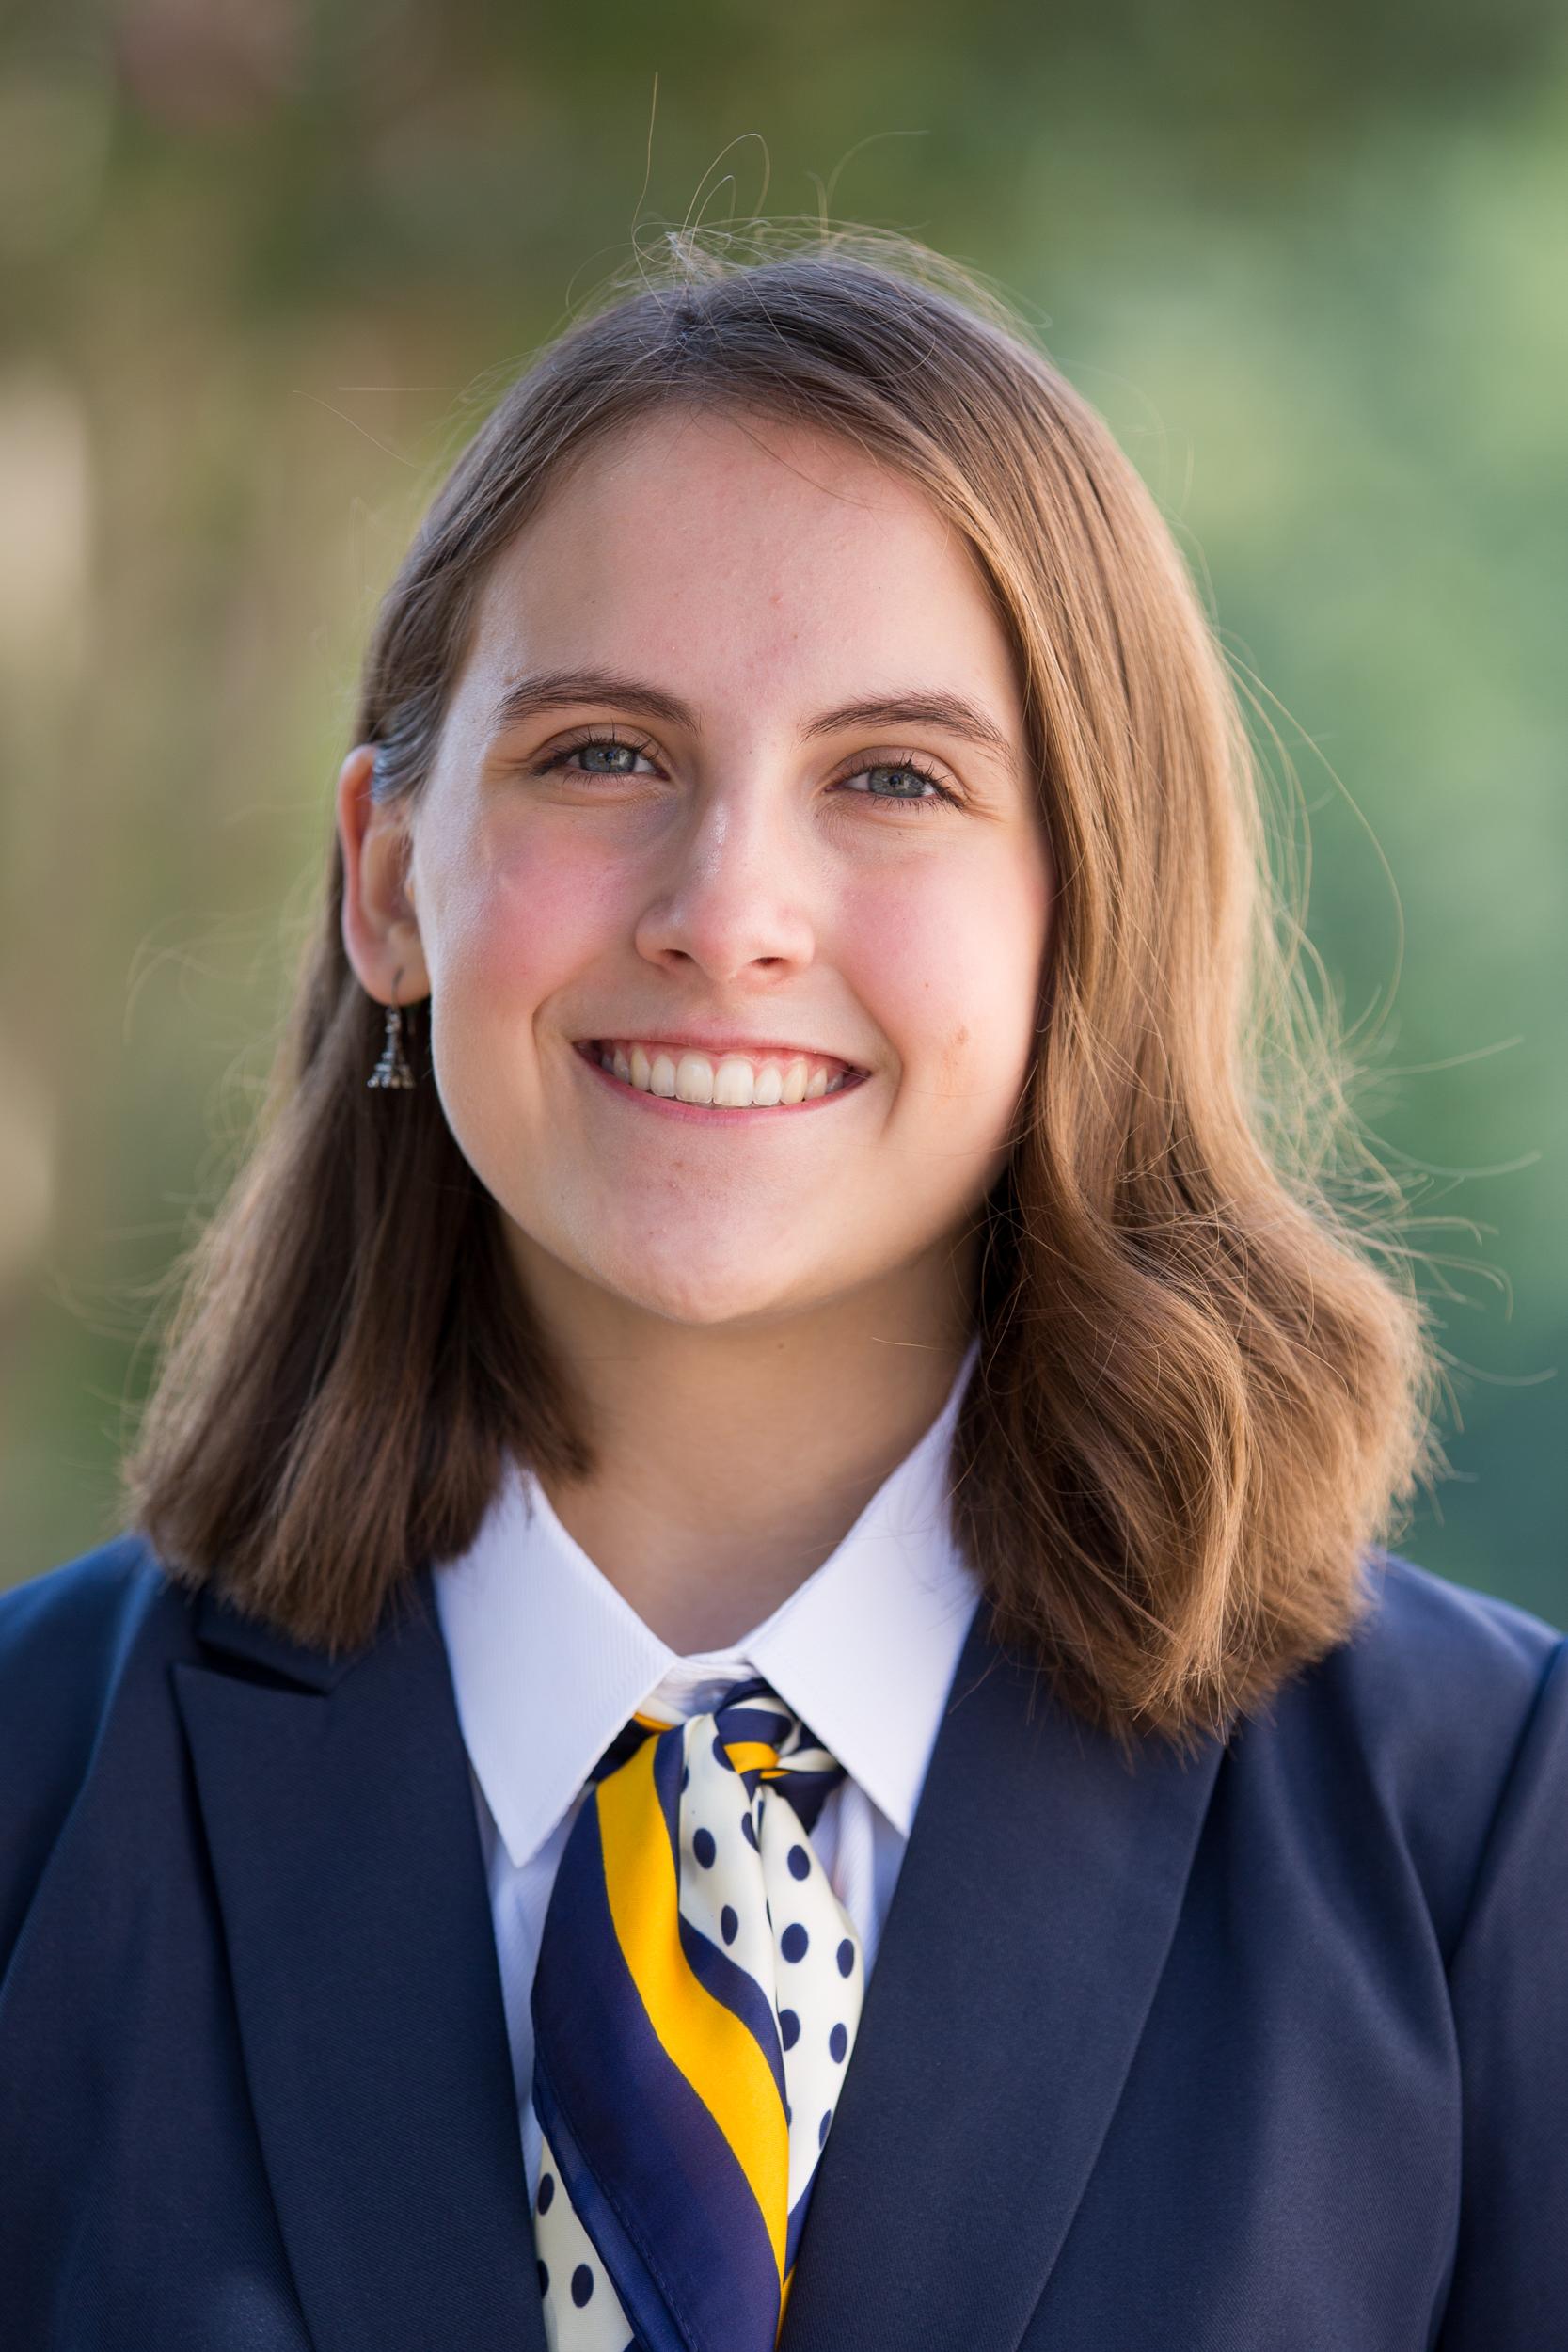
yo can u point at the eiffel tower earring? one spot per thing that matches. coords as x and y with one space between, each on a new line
392 1070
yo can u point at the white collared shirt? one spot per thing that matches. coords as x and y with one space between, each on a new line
548 1661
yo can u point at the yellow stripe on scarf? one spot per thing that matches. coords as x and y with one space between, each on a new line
713 2049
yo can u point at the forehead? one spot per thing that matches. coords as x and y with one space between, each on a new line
736 548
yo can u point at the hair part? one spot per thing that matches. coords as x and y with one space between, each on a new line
1205 1381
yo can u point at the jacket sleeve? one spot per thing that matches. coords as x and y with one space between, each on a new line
1509 1982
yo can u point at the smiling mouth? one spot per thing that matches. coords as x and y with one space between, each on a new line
726 1082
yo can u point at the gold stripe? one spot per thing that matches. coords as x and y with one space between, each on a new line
713 2049
743 1754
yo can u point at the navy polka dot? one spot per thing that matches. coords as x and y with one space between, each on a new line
543 2278
800 1863
789 2028
729 1926
821 2141
582 2278
846 1957
793 1942
749 1831
703 1848
789 2116
546 2190
686 1776
838 2042
721 1752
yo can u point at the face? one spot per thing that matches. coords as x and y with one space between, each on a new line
710 847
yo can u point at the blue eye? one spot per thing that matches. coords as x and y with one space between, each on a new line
569 754
938 794
939 791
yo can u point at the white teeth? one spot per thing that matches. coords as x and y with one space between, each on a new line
693 1079
732 1082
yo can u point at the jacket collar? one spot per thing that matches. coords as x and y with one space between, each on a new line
1033 1911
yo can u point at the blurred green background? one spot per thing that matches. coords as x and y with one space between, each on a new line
264 266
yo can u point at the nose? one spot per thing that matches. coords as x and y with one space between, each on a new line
732 891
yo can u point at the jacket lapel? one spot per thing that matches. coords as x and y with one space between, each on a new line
1034 1911
1035 1907
340 1817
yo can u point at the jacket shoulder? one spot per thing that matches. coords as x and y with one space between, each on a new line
1445 1660
79 1645
1418 1722
72 1629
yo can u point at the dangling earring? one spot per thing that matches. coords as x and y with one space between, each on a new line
392 1070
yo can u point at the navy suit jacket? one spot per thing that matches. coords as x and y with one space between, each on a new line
1262 2052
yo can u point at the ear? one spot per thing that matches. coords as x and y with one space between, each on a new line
381 933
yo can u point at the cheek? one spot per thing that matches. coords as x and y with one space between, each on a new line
517 927
951 979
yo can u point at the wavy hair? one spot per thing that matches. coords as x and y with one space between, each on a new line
1205 1380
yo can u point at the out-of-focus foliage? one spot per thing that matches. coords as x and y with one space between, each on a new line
264 267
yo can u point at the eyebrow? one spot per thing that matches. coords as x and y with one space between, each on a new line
554 689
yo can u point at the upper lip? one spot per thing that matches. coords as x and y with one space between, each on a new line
716 1042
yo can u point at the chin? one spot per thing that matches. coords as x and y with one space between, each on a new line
703 1298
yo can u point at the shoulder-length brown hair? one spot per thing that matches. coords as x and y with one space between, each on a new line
1204 1381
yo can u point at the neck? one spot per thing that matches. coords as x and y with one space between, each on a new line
732 1463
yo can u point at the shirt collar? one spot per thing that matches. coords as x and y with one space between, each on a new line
548 1661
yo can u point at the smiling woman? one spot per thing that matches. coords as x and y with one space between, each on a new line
786 1335
794 659
815 852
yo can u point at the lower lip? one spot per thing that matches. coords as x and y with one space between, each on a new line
710 1114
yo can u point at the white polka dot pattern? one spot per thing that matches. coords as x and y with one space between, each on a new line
571 2272
751 1888
810 1994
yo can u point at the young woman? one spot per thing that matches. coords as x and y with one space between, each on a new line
751 1695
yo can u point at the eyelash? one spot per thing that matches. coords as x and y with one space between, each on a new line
943 794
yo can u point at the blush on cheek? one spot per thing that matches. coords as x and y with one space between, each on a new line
530 928
950 970
925 948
